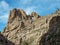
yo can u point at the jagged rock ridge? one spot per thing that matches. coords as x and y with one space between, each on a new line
23 29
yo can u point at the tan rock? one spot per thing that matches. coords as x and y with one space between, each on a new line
34 15
23 29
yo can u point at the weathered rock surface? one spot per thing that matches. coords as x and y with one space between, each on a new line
23 29
5 41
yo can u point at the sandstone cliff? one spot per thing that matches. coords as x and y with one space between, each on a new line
23 29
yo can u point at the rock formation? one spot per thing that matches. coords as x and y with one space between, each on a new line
5 41
52 37
34 16
18 14
23 29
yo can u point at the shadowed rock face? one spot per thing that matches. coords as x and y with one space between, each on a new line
52 37
4 41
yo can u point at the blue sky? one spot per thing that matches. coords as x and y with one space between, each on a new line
42 7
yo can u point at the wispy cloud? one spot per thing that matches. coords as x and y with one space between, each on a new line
25 1
30 9
4 10
4 18
4 5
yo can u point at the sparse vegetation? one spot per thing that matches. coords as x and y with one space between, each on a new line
1 41
24 43
38 30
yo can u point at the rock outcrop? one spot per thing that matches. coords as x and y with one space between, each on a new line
18 14
5 41
52 37
23 29
2 40
34 15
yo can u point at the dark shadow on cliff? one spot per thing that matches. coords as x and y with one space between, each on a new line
52 37
4 41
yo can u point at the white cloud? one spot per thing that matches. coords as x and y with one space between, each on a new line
48 0
4 10
25 1
29 10
4 18
4 5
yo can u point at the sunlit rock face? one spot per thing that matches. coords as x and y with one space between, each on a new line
23 29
